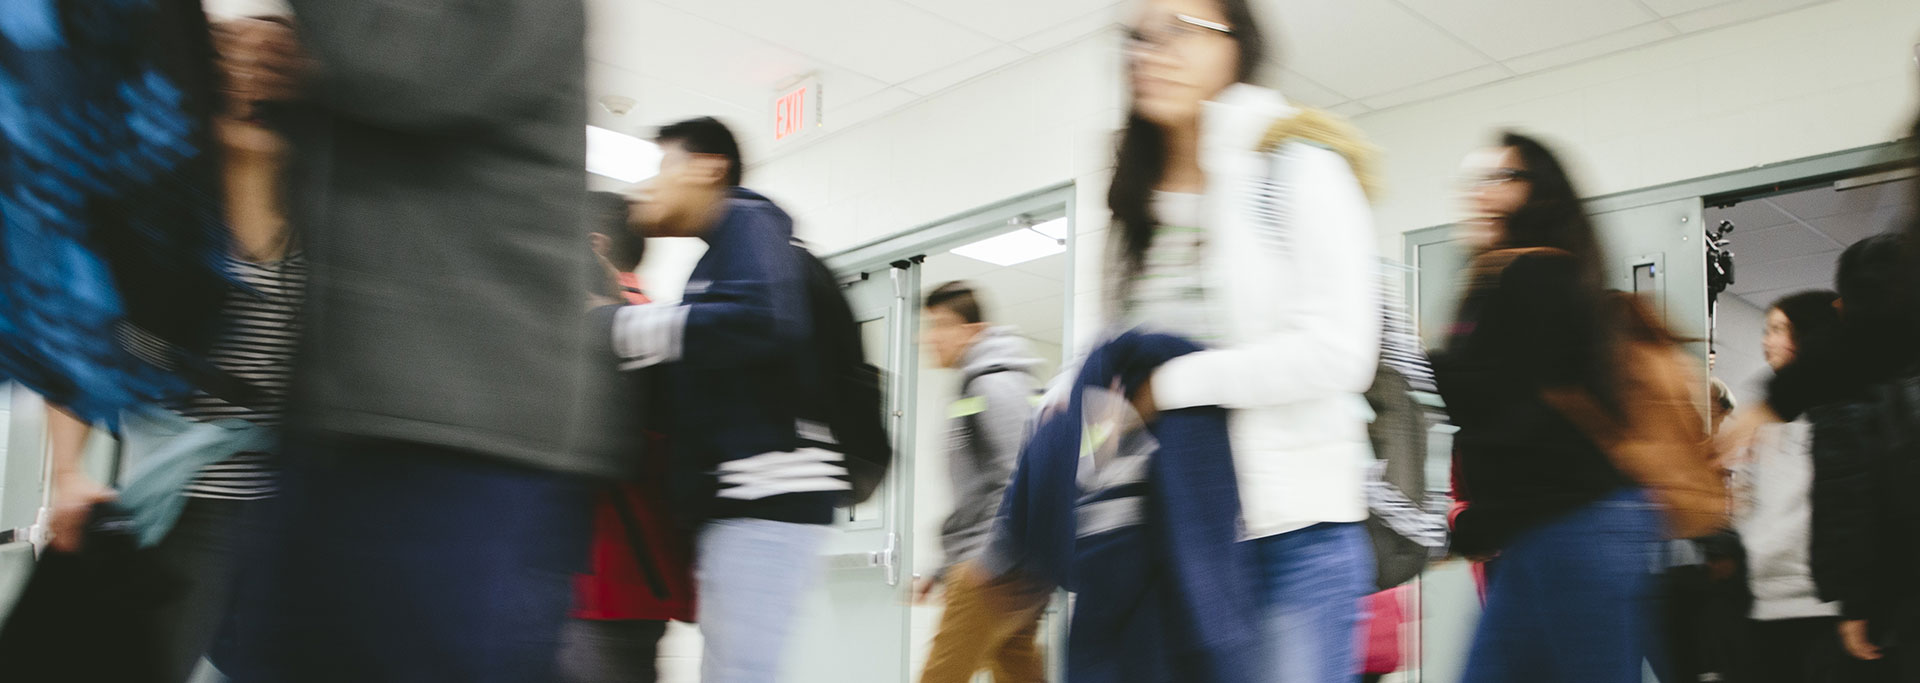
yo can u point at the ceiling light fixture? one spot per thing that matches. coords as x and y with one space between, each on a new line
1026 242
620 156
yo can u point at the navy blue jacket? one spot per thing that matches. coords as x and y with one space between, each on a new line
739 369
1166 595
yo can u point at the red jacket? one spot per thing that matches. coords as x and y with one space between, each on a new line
640 568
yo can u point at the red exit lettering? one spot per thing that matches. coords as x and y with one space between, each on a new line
790 114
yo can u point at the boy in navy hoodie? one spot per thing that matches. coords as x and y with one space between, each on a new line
737 356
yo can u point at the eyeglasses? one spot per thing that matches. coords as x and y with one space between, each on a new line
1173 29
1498 177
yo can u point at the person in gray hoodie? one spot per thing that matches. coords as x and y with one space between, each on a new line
990 623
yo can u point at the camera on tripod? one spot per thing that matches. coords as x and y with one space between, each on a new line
1719 260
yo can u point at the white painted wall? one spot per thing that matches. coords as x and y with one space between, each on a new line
1036 124
1825 78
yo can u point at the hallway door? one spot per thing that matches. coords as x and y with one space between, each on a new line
1659 251
854 627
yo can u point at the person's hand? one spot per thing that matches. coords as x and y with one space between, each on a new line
1143 402
923 589
1736 435
74 495
1853 637
260 61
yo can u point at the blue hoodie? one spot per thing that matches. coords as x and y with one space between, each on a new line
738 362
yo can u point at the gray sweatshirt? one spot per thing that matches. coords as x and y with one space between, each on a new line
987 426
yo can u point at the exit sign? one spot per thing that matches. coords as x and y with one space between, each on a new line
796 111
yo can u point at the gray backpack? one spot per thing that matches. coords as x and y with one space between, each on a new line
1407 533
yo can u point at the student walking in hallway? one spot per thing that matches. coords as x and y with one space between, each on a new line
990 622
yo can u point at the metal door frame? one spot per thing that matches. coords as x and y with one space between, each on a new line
902 252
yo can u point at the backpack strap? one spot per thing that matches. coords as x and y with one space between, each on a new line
969 405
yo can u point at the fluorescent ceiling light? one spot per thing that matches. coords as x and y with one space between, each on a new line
620 156
1019 246
1056 228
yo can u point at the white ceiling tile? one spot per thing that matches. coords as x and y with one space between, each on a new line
1825 201
1668 8
1811 271
1764 300
1777 244
1735 12
888 40
1510 28
1901 194
702 64
945 267
1106 18
696 55
1752 215
963 70
840 115
1351 109
1596 47
1848 228
1302 90
1052 267
656 102
1363 48
1440 86
1009 20
1009 287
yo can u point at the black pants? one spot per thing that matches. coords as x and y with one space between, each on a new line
624 651
202 553
1795 651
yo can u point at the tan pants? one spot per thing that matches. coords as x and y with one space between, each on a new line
988 625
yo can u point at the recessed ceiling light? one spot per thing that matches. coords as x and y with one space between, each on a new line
620 156
1013 248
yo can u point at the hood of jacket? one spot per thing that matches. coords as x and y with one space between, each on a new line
999 348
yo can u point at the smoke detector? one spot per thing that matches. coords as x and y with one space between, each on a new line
617 105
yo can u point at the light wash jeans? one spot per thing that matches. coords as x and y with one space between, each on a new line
1314 583
752 574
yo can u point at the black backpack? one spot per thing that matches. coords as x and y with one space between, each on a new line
854 391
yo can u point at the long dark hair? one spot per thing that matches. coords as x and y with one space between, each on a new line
1820 371
1141 158
1553 215
1814 320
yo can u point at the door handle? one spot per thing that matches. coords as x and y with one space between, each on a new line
886 559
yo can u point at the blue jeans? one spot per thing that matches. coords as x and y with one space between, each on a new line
1573 600
1314 583
752 574
403 562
